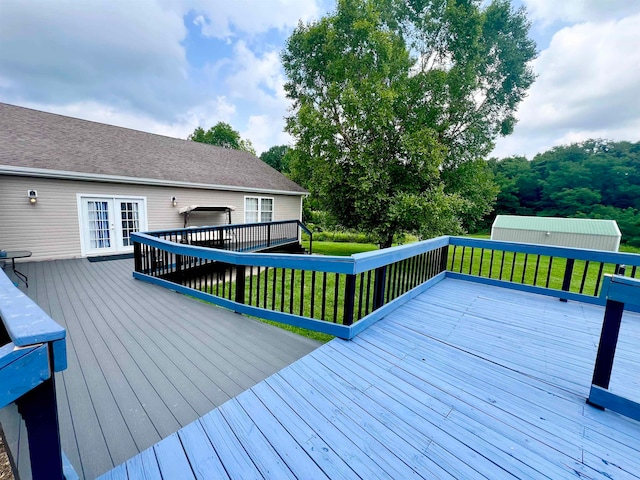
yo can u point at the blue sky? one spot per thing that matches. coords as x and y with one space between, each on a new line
168 66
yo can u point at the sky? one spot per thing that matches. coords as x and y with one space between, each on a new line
169 66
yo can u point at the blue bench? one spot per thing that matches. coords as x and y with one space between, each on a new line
32 349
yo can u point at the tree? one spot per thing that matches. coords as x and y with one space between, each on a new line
277 157
393 98
222 135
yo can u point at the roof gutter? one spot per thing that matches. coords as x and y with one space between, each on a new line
93 177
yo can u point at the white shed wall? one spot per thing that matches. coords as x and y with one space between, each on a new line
558 239
51 230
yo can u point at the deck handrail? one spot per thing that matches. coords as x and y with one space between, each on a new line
618 292
32 349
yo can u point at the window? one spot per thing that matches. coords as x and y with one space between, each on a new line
258 209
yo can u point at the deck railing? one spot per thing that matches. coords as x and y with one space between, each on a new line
32 348
247 237
335 295
568 273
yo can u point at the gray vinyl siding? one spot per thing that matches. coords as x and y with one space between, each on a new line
51 230
560 239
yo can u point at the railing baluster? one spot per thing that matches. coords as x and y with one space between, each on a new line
266 286
549 272
524 267
302 275
598 280
535 273
324 295
335 298
584 276
313 293
502 264
462 259
491 263
273 288
360 295
282 284
368 298
481 261
293 282
473 252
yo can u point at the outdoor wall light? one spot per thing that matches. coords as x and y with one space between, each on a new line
33 195
174 201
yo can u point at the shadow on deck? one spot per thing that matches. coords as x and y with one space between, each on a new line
464 381
144 362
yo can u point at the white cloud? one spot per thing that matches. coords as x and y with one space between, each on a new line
113 51
223 18
549 11
264 133
588 85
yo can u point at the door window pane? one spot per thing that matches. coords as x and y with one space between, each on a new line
99 232
129 214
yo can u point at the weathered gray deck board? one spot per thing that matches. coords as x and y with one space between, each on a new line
465 381
144 361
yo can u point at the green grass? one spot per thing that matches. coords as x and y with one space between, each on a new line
340 249
313 335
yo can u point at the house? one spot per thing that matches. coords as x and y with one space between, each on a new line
74 188
560 232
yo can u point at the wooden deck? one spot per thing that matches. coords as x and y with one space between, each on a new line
464 381
144 361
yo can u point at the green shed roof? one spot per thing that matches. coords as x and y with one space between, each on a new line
581 226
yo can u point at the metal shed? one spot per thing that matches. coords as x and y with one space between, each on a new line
562 232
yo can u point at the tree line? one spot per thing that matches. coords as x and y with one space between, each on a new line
591 179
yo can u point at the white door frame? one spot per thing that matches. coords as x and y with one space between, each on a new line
117 224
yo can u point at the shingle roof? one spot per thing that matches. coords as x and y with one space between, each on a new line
581 226
33 139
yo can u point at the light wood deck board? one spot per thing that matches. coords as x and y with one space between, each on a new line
144 361
415 396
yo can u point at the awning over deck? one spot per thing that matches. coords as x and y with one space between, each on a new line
187 211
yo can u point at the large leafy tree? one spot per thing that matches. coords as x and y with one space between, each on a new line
223 135
277 157
394 103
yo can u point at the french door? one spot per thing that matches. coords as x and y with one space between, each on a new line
108 222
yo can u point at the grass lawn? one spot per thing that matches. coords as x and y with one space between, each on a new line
339 248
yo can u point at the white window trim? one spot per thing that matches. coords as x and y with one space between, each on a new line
260 198
79 196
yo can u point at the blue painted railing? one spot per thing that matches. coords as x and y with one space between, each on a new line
567 273
619 293
342 295
32 348
335 295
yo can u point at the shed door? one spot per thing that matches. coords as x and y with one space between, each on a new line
108 222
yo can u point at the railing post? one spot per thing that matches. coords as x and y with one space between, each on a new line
39 410
568 273
608 342
378 287
240 281
444 258
349 300
137 257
